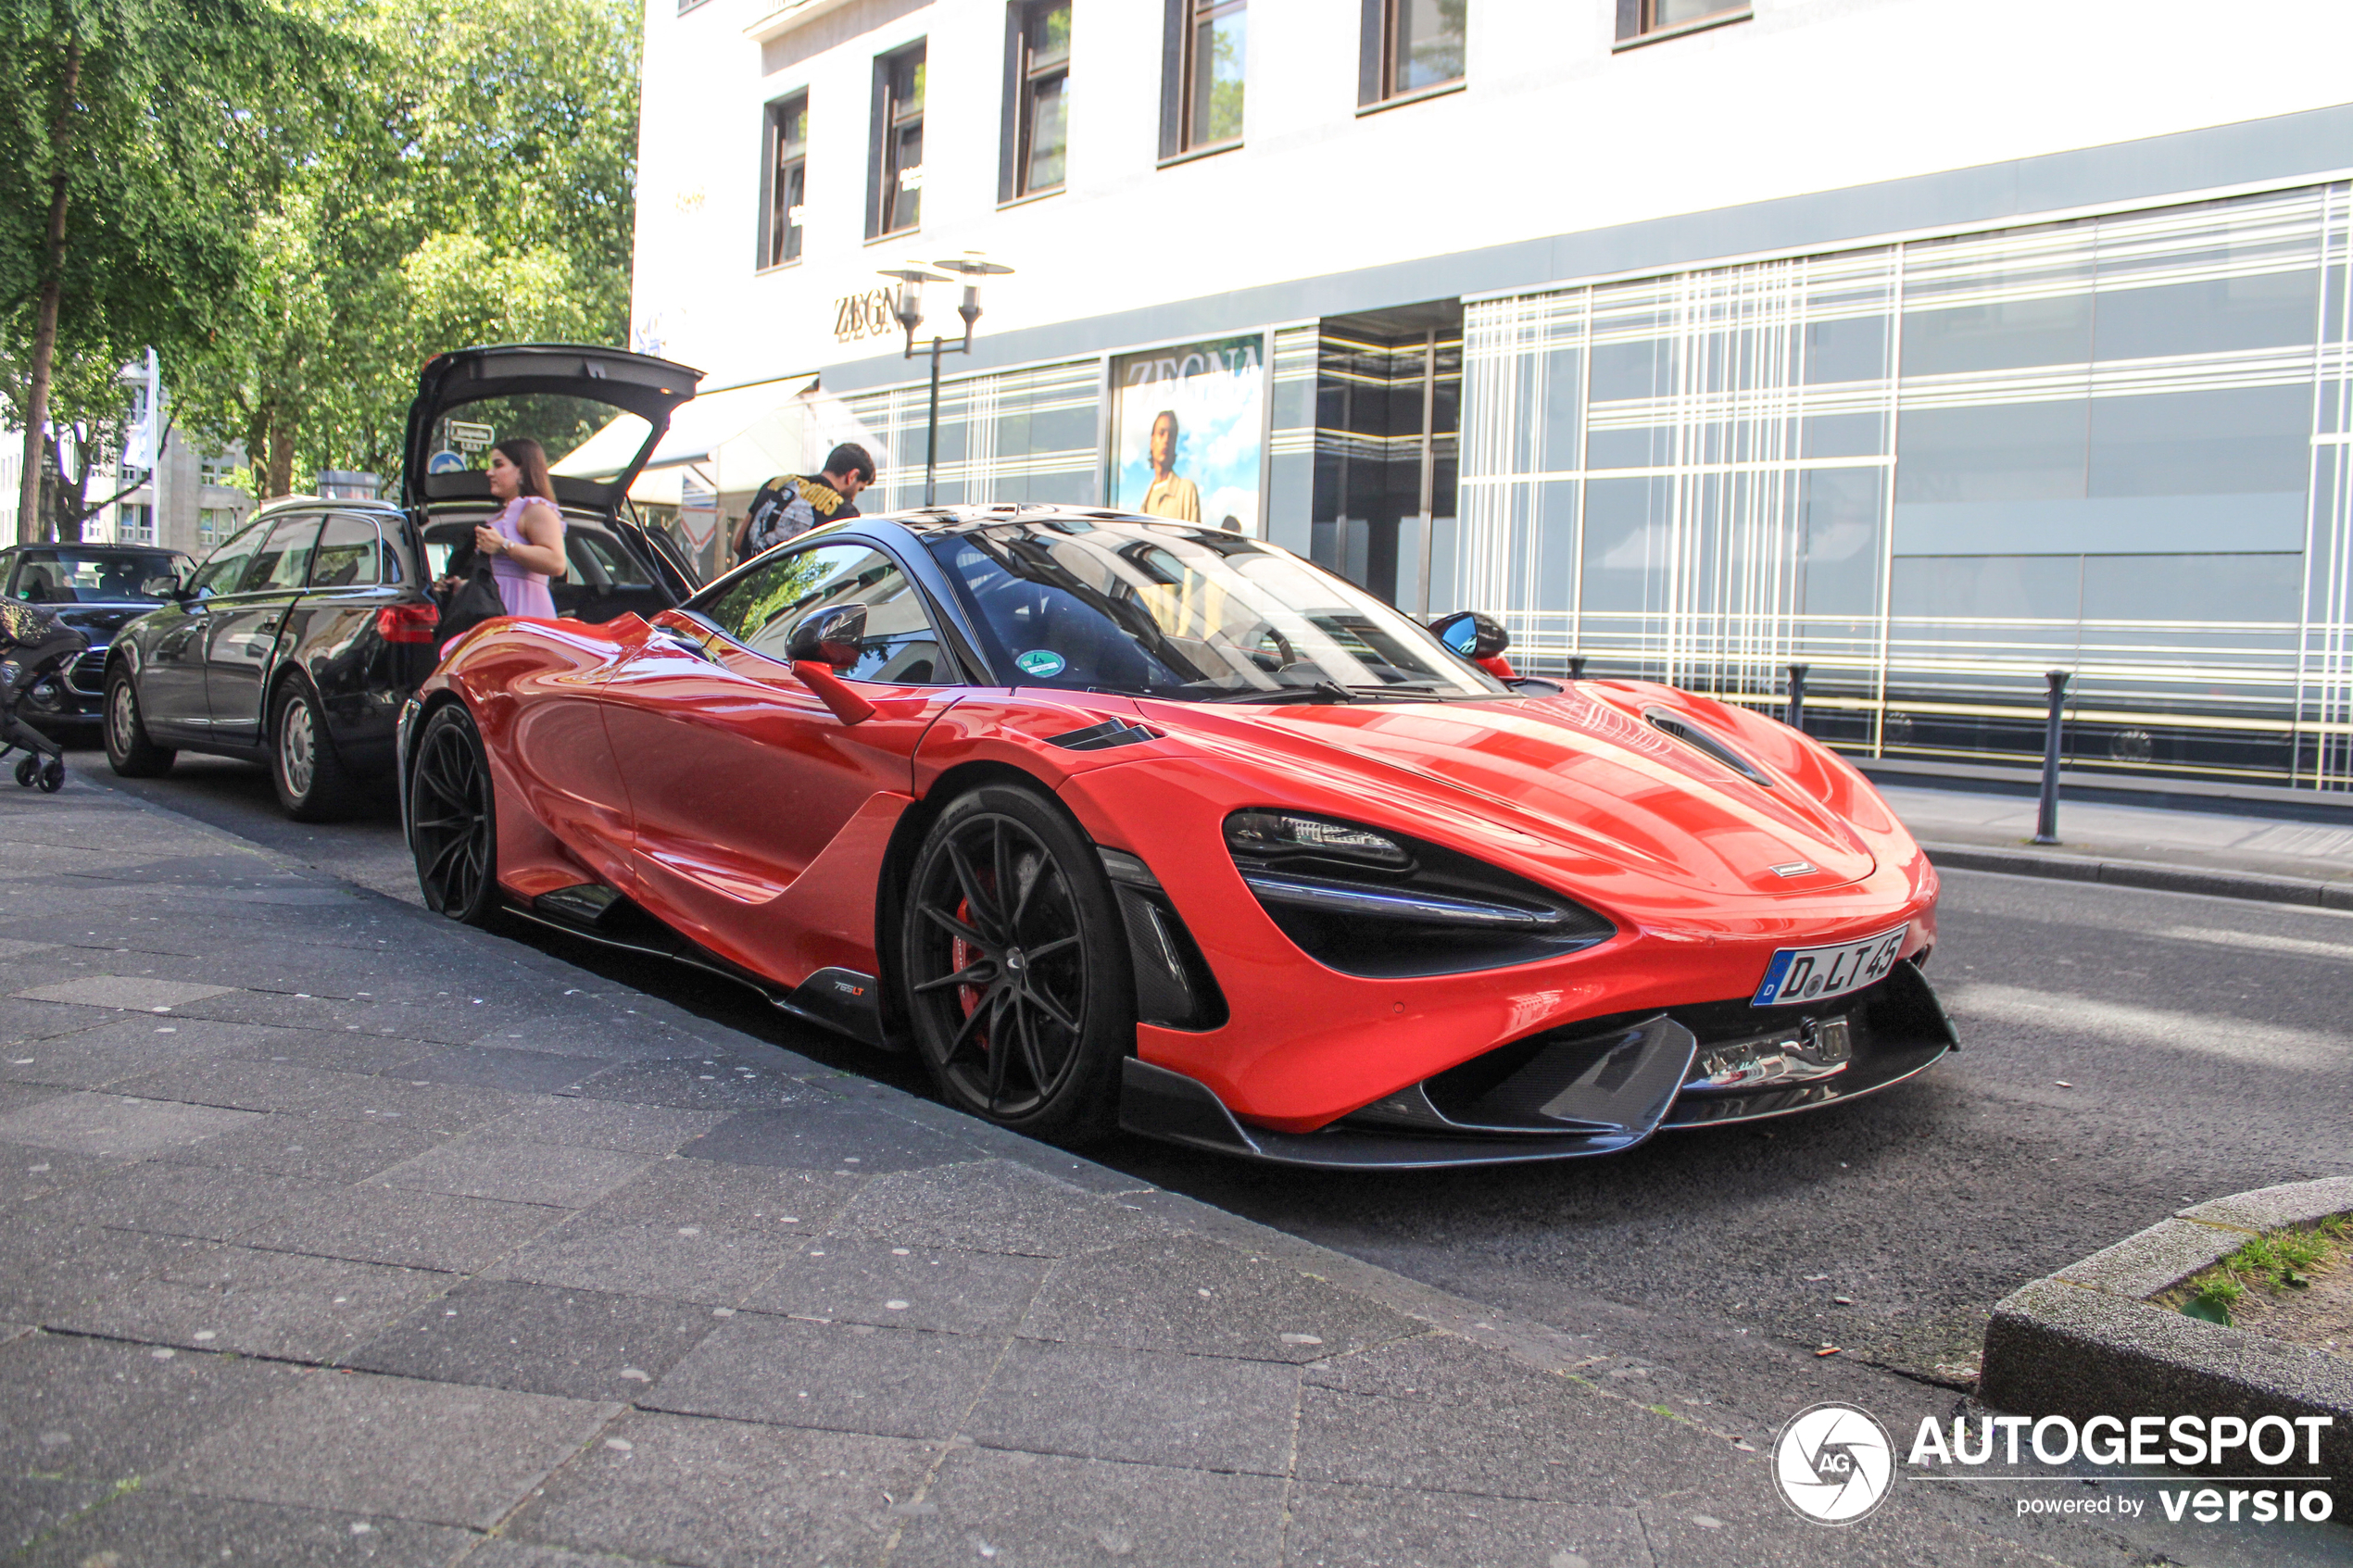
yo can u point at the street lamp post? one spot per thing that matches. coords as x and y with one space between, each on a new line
908 309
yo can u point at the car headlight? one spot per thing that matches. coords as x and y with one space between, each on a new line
1378 904
1269 834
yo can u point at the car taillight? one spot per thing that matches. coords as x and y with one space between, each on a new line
407 622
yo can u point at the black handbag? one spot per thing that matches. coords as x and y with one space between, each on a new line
470 603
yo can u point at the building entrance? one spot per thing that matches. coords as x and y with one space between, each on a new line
1388 398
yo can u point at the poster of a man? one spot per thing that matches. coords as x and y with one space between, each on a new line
1171 494
1188 432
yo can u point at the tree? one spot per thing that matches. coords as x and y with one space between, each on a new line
480 190
129 132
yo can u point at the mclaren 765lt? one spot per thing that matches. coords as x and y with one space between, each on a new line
1119 821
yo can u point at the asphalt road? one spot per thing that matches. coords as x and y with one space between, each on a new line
2125 1053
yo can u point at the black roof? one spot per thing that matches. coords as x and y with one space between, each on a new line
94 546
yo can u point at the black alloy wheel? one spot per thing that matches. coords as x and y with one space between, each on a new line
311 781
453 825
1014 970
129 751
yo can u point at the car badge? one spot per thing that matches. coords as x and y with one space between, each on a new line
1794 868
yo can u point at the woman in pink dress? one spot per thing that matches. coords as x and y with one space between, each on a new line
525 539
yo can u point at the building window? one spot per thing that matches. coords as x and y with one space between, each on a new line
899 143
134 524
1638 19
1411 46
784 180
1038 83
1202 106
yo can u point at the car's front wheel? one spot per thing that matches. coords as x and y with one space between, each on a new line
453 824
311 781
1014 969
129 751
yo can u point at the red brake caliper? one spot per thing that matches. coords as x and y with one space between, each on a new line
959 955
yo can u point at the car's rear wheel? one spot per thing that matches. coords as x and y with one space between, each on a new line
313 784
1014 971
129 751
453 824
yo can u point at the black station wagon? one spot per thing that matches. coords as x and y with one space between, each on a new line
296 642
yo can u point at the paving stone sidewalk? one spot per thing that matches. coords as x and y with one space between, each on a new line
332 1231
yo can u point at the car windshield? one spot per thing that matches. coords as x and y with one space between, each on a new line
1196 614
68 576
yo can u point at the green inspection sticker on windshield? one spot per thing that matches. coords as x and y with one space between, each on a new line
1044 663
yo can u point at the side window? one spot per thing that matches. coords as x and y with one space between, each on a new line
226 566
348 554
284 561
763 609
37 579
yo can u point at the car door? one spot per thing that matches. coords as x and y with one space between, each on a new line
759 818
172 640
355 573
246 627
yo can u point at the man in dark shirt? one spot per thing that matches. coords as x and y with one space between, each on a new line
789 505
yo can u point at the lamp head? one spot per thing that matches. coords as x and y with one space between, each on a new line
972 266
908 306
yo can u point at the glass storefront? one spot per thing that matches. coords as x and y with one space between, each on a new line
1019 435
1932 471
1928 470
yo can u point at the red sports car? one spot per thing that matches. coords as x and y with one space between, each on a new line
1119 821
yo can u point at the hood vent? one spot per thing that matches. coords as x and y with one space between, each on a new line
1690 735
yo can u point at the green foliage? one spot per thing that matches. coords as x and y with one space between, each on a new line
2278 1260
148 124
2220 1292
478 189
2213 1304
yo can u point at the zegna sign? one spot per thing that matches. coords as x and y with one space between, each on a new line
864 315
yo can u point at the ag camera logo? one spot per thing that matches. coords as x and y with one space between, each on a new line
1834 1463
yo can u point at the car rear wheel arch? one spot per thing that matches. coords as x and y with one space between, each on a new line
332 789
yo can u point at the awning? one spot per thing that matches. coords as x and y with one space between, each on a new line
736 438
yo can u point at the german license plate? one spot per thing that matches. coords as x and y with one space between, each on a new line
1813 974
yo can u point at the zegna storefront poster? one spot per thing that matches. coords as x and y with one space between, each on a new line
1188 432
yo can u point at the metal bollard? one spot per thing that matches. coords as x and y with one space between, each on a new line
2047 815
1797 695
1577 667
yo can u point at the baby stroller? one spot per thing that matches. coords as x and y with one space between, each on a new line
35 645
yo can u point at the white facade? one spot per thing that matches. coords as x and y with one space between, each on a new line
1931 344
1556 132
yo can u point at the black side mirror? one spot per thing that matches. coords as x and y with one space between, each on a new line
830 637
1472 633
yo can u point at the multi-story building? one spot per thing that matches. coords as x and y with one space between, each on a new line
183 499
1930 344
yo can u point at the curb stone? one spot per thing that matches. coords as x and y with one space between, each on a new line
2330 895
2085 1341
